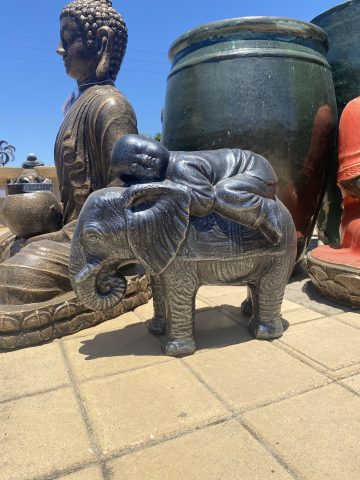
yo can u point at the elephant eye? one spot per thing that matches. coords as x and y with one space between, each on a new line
92 235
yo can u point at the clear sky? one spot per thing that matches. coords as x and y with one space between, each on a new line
33 82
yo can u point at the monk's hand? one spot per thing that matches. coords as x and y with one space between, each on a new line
145 167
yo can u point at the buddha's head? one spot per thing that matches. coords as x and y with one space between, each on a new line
93 40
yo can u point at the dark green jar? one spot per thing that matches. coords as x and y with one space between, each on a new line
262 84
341 23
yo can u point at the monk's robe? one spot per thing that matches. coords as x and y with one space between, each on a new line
237 184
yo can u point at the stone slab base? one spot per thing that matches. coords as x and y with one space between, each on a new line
26 325
338 282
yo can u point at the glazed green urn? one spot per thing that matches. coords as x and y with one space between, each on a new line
341 23
260 84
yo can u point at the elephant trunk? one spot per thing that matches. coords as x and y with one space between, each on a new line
99 286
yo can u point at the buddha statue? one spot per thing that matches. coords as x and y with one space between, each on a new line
335 269
36 299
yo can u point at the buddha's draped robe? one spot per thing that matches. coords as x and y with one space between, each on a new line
82 157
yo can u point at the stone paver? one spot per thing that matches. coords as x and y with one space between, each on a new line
326 341
353 383
142 406
288 306
350 318
214 329
298 316
226 452
302 291
253 373
106 404
41 434
32 370
145 312
316 433
129 318
91 473
213 291
115 351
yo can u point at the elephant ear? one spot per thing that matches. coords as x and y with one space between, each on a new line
157 216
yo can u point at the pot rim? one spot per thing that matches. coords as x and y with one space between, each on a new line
330 11
33 193
262 24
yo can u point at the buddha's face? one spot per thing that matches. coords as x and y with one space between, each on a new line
80 60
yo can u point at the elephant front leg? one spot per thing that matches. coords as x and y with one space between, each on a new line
157 325
180 293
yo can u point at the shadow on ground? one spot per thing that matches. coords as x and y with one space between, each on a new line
312 292
213 329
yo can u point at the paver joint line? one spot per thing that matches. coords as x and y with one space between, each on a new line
59 474
325 367
90 431
210 390
347 387
34 394
115 374
287 396
295 475
242 422
164 439
301 357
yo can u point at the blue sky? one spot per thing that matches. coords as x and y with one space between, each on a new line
33 82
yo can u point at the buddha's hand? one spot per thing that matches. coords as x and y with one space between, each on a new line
61 236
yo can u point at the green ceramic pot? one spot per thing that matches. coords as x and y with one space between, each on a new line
262 84
341 23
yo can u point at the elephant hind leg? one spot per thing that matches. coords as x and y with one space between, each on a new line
267 296
247 304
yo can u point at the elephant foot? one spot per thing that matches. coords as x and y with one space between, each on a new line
157 326
247 308
179 348
266 331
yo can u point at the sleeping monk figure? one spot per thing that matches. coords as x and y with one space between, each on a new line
236 184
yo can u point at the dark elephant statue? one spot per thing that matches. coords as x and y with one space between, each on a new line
160 226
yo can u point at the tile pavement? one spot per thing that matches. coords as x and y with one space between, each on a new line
105 404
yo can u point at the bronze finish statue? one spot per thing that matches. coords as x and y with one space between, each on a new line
36 301
191 219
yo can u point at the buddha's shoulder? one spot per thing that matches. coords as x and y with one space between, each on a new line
109 96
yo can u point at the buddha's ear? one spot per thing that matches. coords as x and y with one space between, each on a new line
105 43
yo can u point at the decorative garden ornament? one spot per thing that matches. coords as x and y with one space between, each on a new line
191 219
335 269
92 45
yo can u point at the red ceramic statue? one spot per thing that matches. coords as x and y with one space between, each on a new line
335 270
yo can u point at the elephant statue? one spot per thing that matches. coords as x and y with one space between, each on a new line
156 224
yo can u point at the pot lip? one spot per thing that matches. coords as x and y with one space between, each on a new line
35 193
340 6
261 24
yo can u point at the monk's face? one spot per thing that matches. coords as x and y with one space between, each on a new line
80 61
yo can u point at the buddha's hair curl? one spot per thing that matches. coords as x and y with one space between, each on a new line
94 14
